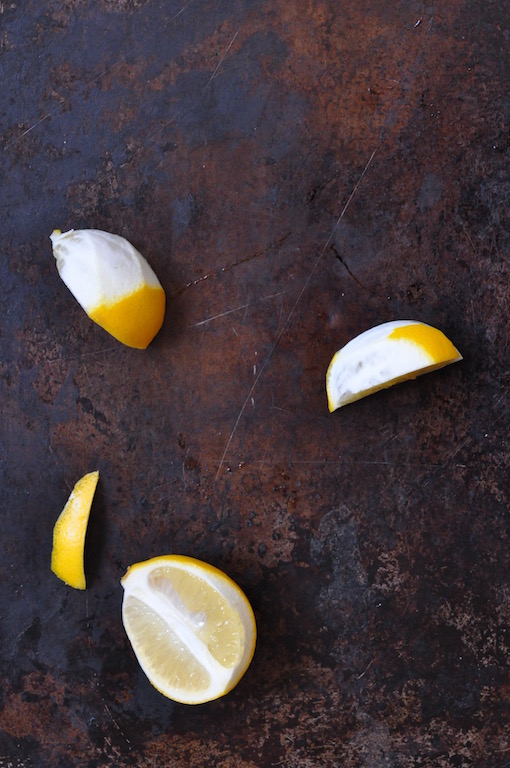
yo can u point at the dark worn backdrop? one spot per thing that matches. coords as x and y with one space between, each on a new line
295 172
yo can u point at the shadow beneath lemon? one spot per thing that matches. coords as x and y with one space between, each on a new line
95 541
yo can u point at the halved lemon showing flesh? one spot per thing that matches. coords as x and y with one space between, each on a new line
385 355
69 533
191 627
113 282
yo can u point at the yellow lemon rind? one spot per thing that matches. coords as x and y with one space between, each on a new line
135 319
69 533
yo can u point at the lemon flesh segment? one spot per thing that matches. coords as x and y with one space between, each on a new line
383 356
168 662
113 283
191 627
67 556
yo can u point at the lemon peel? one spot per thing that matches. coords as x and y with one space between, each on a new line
191 627
383 356
113 283
69 532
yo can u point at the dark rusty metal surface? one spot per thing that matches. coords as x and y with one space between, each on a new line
295 173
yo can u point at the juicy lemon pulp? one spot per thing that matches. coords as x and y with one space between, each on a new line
169 658
191 627
135 319
70 531
383 356
212 618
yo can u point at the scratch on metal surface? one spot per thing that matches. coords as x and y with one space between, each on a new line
347 463
184 7
218 316
454 452
84 87
278 407
93 353
117 725
220 62
228 267
342 261
469 438
112 748
293 309
60 107
235 309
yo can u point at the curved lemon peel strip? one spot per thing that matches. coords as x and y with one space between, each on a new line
69 533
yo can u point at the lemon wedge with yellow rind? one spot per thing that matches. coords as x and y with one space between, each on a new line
191 627
383 356
67 556
113 282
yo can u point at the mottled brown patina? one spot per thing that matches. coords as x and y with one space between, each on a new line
295 173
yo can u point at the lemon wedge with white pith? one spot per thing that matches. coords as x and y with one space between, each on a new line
69 533
113 282
191 627
383 356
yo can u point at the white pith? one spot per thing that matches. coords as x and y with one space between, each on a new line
98 267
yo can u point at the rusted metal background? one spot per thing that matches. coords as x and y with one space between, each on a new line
295 172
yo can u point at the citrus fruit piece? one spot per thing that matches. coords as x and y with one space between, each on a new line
70 531
113 283
385 355
191 627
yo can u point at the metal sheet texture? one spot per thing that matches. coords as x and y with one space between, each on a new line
295 172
